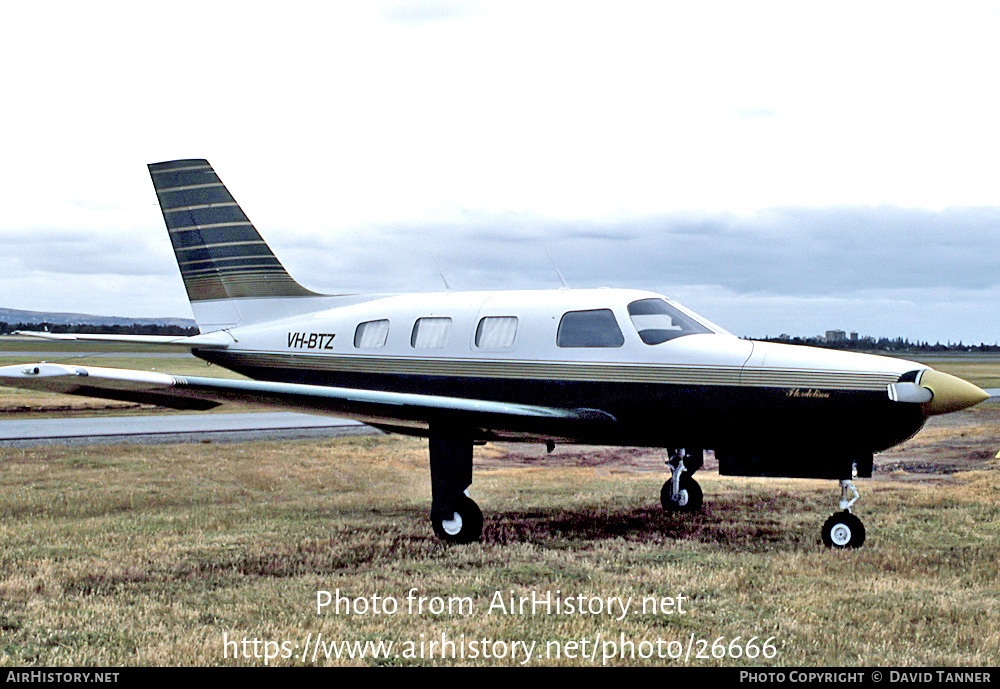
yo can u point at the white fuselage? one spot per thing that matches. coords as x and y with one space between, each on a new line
692 383
530 349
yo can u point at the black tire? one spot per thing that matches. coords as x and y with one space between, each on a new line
465 527
843 530
689 500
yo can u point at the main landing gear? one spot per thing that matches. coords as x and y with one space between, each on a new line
681 493
465 524
455 517
844 530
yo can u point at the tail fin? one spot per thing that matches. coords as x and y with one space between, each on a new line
223 260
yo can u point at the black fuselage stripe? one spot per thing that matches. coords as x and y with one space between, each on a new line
657 414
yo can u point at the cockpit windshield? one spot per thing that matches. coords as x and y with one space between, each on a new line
657 321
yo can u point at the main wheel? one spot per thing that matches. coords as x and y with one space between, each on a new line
843 530
688 499
465 525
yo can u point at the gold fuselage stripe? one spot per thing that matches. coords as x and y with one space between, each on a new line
572 371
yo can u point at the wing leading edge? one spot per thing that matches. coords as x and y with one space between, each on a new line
369 406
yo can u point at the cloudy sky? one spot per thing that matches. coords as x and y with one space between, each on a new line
778 167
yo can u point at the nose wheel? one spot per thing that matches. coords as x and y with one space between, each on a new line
844 530
681 493
687 499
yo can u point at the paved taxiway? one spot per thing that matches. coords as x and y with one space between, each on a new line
174 428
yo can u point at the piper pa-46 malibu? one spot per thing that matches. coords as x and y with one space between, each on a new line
598 367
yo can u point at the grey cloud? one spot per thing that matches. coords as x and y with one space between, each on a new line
791 251
73 253
880 270
800 251
800 268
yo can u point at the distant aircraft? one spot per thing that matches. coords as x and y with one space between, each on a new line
592 366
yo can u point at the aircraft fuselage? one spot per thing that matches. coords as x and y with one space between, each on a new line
705 388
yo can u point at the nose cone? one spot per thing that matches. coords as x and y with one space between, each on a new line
950 393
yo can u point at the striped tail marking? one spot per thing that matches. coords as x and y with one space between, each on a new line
220 254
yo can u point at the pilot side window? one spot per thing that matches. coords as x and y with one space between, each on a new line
597 328
496 332
371 334
430 333
657 321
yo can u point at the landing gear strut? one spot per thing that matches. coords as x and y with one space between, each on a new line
681 493
455 517
844 530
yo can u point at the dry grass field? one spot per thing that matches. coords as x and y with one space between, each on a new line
216 553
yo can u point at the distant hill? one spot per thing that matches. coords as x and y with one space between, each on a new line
37 317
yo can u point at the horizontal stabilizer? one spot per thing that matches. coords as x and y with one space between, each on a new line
216 340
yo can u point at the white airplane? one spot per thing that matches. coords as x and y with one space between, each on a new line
591 366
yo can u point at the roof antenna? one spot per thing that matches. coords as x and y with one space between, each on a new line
562 280
447 287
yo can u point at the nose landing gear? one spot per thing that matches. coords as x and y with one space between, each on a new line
681 493
844 530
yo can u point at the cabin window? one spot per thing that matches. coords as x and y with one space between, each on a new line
371 334
430 333
496 332
597 328
657 321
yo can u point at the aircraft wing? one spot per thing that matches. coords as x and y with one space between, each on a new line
375 407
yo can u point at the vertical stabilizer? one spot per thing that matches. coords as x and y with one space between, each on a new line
226 266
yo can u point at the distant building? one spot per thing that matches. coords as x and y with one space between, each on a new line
836 336
854 337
